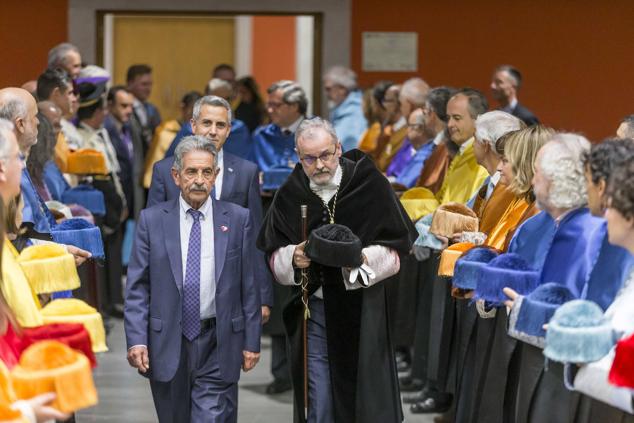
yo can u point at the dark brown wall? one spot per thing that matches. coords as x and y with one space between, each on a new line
577 57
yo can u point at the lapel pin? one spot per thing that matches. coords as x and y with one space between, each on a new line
230 169
223 228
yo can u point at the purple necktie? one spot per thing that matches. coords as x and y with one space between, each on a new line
191 284
127 140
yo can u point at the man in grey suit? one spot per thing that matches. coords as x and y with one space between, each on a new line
237 182
192 310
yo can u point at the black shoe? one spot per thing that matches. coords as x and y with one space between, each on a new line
278 386
411 385
429 405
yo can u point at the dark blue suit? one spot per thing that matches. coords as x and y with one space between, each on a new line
131 166
153 309
240 185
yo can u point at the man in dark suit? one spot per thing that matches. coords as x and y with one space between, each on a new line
506 82
192 316
147 116
126 138
237 181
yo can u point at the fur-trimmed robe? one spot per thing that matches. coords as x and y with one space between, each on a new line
362 367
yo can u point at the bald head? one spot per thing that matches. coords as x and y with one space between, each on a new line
18 106
53 113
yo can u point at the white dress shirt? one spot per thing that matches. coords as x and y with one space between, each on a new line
383 262
207 260
293 126
220 161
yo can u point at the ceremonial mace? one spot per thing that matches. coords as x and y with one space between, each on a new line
304 285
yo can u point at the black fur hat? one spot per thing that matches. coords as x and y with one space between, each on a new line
335 246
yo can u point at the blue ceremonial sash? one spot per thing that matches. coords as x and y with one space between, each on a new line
610 268
272 148
55 181
532 238
567 262
35 211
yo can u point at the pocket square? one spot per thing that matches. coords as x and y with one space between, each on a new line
224 228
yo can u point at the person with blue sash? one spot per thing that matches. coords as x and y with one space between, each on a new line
560 188
613 263
274 147
275 143
346 112
415 153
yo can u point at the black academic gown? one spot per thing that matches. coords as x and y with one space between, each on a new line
360 353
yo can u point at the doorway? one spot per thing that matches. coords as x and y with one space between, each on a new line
183 49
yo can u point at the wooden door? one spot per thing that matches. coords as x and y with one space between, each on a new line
182 50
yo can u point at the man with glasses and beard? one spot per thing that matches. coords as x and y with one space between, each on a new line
351 370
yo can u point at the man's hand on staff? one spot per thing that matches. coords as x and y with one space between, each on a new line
299 258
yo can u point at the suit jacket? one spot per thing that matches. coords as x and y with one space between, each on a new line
131 169
153 302
524 114
240 185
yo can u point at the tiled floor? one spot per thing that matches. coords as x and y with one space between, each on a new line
125 396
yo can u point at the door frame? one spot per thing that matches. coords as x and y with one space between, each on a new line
317 39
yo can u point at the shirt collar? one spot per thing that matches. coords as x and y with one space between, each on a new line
495 178
332 184
465 145
220 159
562 216
293 126
205 209
439 137
399 124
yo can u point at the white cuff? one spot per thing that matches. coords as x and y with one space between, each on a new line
382 262
26 409
282 265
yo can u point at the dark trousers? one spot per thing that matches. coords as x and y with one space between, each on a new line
111 291
320 403
279 359
197 394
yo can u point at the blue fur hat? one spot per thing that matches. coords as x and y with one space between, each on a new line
506 270
467 270
530 313
80 233
578 333
273 178
86 196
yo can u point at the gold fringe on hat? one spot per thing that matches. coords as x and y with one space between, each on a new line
72 310
86 162
49 268
50 366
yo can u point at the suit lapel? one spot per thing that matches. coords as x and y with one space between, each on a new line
228 177
171 223
221 236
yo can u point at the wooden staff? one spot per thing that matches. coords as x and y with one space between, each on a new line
304 214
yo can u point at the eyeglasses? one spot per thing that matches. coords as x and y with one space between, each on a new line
274 105
416 126
324 157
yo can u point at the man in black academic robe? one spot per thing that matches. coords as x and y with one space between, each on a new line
348 191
